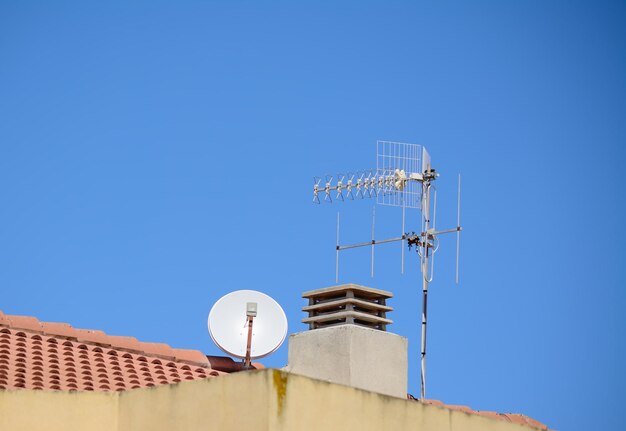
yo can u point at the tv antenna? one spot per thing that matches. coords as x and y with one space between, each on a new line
403 178
247 324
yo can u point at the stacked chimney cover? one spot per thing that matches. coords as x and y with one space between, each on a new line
347 341
347 304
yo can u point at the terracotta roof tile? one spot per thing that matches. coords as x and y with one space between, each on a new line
55 356
492 415
159 349
24 322
524 420
459 408
92 336
509 417
192 356
4 320
121 342
62 329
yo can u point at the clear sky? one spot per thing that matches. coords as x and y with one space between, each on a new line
157 155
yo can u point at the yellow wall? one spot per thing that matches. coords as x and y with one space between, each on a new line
26 409
259 400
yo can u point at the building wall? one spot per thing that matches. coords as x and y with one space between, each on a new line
260 400
26 409
233 402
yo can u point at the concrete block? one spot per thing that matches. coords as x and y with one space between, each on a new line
352 355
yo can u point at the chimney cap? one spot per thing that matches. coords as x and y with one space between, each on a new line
347 304
334 290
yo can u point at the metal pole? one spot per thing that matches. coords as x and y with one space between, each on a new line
337 253
373 240
426 214
247 362
458 227
402 244
424 308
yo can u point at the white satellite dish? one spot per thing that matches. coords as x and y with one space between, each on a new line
233 314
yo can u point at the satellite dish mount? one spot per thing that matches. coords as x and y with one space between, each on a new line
251 314
247 324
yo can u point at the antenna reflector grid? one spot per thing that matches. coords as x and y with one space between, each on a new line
396 163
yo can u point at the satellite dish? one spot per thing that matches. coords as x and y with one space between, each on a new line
232 316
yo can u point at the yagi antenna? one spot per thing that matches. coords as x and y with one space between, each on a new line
403 178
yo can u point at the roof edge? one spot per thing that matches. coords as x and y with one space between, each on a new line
99 338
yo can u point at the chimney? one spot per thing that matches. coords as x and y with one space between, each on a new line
348 343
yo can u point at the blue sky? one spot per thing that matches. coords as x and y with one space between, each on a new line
156 156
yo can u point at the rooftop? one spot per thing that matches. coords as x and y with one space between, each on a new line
57 357
509 417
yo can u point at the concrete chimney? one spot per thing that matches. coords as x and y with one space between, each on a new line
348 343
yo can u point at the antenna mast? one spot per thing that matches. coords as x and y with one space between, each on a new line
404 177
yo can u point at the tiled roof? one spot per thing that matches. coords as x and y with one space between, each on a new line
55 356
509 417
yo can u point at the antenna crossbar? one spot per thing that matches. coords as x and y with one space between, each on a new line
372 242
412 238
